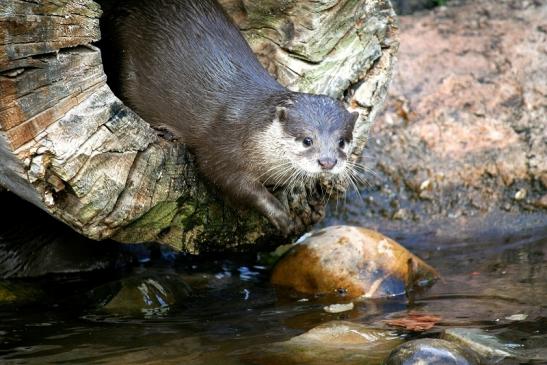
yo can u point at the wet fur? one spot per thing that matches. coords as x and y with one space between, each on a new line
185 66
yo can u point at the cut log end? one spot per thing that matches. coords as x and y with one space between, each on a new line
69 146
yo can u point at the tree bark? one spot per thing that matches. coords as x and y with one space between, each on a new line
69 146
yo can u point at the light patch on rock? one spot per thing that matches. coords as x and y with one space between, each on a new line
338 308
478 340
517 317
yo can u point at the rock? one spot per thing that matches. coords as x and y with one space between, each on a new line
401 214
521 194
336 342
466 112
432 352
338 308
148 294
542 202
18 293
486 345
351 262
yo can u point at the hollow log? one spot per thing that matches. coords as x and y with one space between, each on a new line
72 148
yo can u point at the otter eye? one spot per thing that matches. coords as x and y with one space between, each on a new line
341 143
307 142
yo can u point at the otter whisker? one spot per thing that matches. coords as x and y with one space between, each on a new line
353 183
345 182
282 171
330 192
287 182
289 179
304 180
278 171
358 176
273 168
363 168
295 180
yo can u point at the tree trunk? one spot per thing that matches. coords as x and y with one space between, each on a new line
69 146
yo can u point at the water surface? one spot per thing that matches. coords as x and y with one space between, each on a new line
231 314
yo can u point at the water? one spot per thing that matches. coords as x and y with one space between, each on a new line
232 315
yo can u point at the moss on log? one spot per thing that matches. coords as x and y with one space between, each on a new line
69 146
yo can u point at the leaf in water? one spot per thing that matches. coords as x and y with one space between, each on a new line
415 322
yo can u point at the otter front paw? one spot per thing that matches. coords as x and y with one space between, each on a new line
243 191
277 215
282 222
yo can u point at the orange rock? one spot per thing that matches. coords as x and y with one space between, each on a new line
353 262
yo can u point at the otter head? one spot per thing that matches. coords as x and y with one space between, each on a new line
317 133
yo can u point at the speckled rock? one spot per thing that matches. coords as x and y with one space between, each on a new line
351 262
464 130
432 352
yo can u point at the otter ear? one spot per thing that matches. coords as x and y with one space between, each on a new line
280 114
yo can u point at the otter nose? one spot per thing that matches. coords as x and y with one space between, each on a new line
327 163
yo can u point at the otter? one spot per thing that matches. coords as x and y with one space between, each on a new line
184 66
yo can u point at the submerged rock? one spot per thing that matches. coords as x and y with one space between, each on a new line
486 345
432 352
336 342
146 294
351 262
18 293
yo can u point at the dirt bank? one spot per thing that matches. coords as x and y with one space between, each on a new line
464 132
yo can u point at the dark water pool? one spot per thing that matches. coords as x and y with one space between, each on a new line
231 314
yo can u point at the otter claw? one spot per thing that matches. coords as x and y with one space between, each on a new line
274 211
285 227
283 224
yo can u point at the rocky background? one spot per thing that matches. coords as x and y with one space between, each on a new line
464 132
